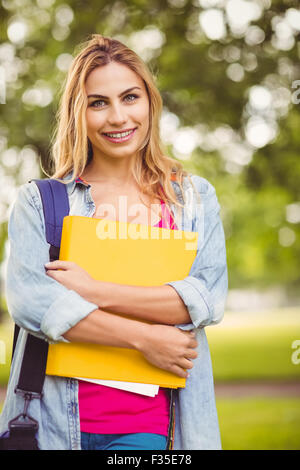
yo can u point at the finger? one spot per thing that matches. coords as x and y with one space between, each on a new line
190 342
53 274
194 345
189 332
179 371
185 363
57 275
191 354
193 334
58 264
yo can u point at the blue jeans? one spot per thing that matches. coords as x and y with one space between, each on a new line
133 441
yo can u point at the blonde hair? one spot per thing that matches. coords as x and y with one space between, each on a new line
70 146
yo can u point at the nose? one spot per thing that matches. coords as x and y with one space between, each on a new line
117 115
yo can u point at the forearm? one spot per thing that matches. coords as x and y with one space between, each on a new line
158 304
105 328
163 346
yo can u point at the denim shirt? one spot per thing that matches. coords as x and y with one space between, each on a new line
44 307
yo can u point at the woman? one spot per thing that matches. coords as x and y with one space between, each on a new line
107 147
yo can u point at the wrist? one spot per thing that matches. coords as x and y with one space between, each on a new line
96 294
143 334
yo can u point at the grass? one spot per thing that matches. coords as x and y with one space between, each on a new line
255 346
260 423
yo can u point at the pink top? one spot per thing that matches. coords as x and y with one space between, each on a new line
106 410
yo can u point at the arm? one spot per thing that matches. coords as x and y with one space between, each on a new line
36 302
173 354
159 304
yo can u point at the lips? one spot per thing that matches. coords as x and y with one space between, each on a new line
117 140
120 132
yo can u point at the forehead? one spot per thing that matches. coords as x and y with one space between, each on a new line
111 79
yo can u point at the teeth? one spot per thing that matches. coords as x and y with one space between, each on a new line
119 135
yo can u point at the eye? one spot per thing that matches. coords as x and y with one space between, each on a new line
93 105
133 96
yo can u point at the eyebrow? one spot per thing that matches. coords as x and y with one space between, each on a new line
121 94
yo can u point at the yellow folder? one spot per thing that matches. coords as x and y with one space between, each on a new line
124 253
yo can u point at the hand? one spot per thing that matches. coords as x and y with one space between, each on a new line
169 348
72 277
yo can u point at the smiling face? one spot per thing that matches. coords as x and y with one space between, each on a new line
117 103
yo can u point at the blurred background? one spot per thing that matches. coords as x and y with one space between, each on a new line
229 75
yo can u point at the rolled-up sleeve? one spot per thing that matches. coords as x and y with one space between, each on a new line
41 305
204 291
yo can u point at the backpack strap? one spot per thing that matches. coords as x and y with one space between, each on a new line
55 202
23 427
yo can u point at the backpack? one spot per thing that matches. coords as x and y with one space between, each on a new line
22 429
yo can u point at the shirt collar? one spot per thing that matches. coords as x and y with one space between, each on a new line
78 180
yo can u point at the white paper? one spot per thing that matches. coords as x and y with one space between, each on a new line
143 389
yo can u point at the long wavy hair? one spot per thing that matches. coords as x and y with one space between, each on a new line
71 149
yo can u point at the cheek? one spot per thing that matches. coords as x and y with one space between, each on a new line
93 120
142 115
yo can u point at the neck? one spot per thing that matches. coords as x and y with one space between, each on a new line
116 171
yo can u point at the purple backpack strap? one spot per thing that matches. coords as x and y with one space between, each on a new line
55 202
56 206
